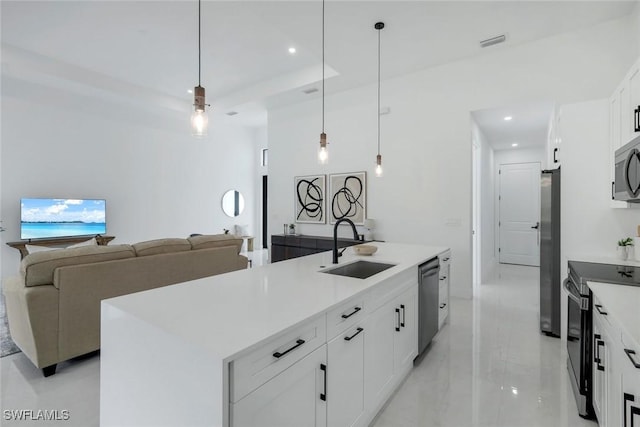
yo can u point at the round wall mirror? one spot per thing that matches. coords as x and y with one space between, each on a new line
232 203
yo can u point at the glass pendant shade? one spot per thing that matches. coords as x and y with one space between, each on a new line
379 171
323 152
199 118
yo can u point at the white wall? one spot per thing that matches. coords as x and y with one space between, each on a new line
589 225
158 181
425 196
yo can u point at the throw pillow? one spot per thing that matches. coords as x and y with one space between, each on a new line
32 249
90 242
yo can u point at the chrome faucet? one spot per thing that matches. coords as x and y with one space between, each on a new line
335 237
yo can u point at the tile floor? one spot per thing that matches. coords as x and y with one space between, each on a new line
489 366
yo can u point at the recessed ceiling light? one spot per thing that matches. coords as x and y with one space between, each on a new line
292 50
310 90
508 118
189 90
515 144
231 113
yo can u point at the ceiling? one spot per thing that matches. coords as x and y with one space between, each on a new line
146 51
528 126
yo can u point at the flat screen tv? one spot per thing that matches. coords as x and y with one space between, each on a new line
49 218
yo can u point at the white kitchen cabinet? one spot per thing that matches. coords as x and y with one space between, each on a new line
600 368
630 378
405 339
443 291
554 140
622 105
293 398
378 363
345 378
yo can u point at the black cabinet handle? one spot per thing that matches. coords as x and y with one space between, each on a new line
323 368
637 119
599 308
398 319
445 259
598 344
443 305
403 318
355 310
354 335
278 354
613 187
443 278
629 353
634 410
596 349
555 151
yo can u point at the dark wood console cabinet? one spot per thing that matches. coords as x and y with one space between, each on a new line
289 246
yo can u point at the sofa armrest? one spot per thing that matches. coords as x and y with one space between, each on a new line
33 320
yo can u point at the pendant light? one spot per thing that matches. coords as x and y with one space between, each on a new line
323 151
379 26
199 119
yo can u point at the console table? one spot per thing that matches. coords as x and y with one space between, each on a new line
58 241
287 246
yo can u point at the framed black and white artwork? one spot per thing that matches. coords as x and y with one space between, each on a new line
348 197
310 193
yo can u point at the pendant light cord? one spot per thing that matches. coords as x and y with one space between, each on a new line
322 66
379 92
199 37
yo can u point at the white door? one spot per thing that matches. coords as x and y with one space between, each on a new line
290 399
519 220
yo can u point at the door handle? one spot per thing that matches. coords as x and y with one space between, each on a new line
535 227
555 159
637 119
599 308
398 319
354 335
629 353
278 354
403 318
600 366
323 368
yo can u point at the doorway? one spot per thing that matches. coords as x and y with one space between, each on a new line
519 214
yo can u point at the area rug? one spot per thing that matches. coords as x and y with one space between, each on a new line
7 346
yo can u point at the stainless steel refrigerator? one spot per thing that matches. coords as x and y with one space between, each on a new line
550 252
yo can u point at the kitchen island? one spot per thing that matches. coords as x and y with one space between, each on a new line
284 344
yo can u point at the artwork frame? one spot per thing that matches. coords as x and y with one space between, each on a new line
310 193
348 197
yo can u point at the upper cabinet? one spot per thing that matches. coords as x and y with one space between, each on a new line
623 105
554 140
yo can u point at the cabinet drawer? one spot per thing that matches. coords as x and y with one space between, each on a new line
345 316
250 371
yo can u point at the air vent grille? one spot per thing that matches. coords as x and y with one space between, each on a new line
493 40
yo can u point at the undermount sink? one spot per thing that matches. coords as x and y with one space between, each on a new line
359 269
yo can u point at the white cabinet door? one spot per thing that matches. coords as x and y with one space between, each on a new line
345 378
630 375
600 363
405 339
634 96
378 350
293 398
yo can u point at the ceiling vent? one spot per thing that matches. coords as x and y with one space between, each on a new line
493 40
310 90
232 113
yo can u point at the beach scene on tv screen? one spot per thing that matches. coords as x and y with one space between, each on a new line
45 218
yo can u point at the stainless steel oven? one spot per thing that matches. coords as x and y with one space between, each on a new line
579 341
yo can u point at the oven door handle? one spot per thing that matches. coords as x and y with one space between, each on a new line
571 295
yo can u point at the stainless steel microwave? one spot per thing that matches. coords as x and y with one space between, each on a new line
626 186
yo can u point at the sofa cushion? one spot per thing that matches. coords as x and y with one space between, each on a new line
37 268
215 241
161 246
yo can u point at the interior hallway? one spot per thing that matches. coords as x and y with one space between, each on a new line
490 366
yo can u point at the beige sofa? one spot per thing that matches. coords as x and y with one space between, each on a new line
53 307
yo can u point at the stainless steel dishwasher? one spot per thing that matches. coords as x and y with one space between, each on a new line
428 298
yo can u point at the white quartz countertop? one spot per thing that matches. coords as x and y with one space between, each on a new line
231 312
623 306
